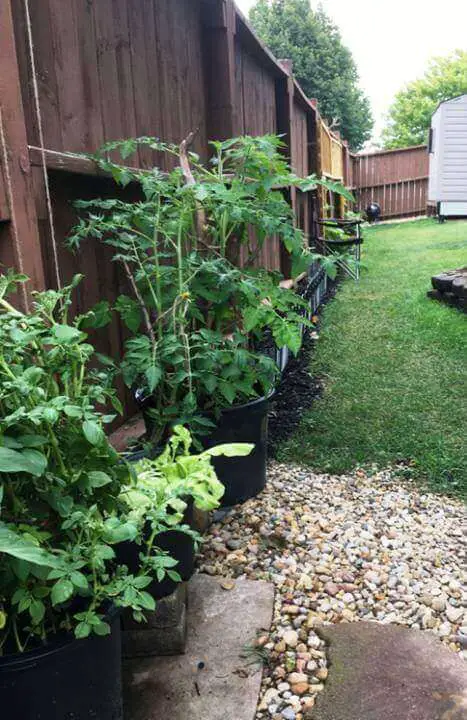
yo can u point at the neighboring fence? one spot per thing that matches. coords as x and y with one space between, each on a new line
396 179
118 68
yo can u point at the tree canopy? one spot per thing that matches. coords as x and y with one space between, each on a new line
409 116
322 64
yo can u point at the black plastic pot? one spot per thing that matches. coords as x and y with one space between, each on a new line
67 680
177 544
242 477
146 403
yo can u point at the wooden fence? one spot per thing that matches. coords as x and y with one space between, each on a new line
75 75
396 179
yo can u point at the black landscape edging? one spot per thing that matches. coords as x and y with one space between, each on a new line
297 389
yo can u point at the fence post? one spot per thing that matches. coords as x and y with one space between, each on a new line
19 235
219 28
313 165
285 127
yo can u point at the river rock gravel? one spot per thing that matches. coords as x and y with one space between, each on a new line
340 549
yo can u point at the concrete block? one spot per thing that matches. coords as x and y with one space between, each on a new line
165 631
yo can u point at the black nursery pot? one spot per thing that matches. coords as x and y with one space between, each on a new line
242 477
67 679
177 544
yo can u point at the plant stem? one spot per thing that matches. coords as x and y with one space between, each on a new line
139 297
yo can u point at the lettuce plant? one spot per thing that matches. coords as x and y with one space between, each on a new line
177 474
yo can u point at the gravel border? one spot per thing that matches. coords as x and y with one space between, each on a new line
340 549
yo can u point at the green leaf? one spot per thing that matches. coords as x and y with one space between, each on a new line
153 376
20 548
82 630
32 440
79 580
252 317
12 443
28 461
37 611
210 383
67 333
127 147
228 391
142 582
73 411
62 591
117 531
146 601
93 432
97 478
37 460
50 415
102 628
174 575
99 316
230 450
130 311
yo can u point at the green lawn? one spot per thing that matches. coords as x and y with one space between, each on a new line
394 363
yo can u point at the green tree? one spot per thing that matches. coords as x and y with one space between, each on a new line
409 116
323 66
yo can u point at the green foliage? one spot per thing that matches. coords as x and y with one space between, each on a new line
177 474
323 66
393 364
60 480
194 314
409 117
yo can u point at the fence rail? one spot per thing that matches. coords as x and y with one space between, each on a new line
396 179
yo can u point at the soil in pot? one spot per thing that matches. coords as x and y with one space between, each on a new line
66 680
242 477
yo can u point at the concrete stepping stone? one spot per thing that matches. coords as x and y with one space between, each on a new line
213 680
388 672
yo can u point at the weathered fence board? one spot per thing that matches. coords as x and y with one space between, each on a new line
396 179
111 69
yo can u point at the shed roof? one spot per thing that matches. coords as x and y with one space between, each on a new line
450 100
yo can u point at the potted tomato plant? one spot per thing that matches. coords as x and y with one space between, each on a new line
197 307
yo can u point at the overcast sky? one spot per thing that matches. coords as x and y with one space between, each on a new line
392 41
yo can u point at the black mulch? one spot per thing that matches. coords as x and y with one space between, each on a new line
296 392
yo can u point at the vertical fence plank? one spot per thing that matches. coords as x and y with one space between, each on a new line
219 23
19 238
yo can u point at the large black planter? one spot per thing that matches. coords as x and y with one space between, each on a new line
242 477
67 679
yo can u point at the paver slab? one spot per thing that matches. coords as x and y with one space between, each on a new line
211 681
388 672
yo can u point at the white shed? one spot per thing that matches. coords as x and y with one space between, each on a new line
448 158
